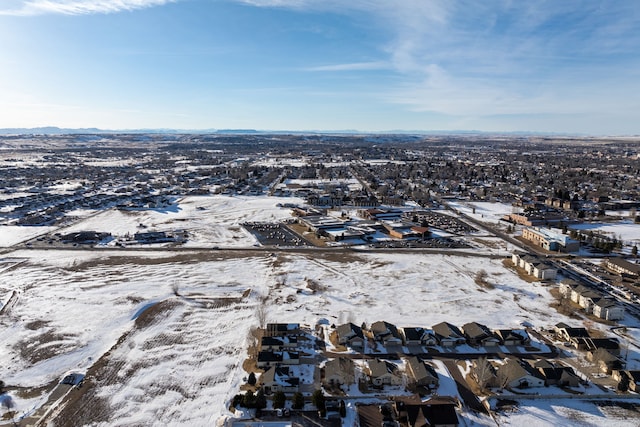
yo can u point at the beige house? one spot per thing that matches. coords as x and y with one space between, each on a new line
382 372
608 309
339 372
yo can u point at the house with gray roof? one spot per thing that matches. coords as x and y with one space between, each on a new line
448 335
339 371
418 336
383 372
422 374
478 334
513 336
385 333
350 335
608 309
516 374
279 378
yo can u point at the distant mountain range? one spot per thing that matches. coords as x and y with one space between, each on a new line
52 130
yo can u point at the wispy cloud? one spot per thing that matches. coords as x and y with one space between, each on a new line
465 58
74 7
353 66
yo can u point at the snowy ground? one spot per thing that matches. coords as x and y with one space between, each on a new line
176 359
209 220
490 212
74 306
11 235
548 413
626 230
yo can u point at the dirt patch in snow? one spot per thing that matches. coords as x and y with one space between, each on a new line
45 346
85 404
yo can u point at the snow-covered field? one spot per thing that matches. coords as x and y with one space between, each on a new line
547 413
183 364
626 230
483 211
209 220
162 335
11 235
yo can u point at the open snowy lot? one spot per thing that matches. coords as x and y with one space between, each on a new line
626 230
209 220
490 212
12 234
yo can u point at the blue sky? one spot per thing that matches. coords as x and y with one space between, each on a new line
370 65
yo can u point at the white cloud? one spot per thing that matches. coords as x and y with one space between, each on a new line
75 7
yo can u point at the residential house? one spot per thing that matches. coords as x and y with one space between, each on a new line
448 335
514 374
605 360
513 336
608 309
577 292
339 371
478 334
385 333
588 299
279 378
543 271
484 373
629 379
383 372
425 415
567 286
350 335
556 374
515 258
567 333
612 345
282 329
419 336
272 343
277 358
422 374
534 266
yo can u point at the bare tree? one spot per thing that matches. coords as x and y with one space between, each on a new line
261 314
484 373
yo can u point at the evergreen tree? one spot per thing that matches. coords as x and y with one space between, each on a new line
343 409
317 398
252 379
279 399
249 400
261 400
297 401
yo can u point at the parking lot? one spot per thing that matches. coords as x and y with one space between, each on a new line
274 234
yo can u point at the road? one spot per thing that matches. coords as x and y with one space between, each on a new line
58 393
